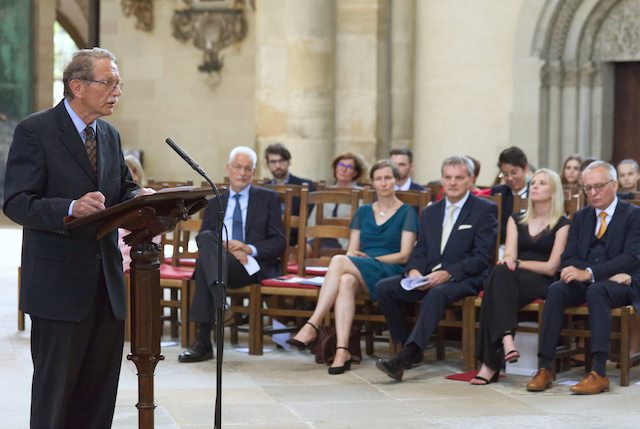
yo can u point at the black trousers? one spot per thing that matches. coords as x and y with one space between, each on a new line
203 308
600 296
391 297
76 368
505 292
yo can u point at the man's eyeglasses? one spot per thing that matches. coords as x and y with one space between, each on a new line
598 187
110 86
278 161
348 166
247 170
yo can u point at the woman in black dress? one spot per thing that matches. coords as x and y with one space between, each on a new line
534 244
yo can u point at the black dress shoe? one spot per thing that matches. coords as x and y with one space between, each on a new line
197 352
393 367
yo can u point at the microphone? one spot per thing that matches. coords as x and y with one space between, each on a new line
186 157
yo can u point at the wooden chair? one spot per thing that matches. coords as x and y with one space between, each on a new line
337 228
161 184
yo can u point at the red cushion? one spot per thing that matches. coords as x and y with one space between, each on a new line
175 273
277 282
189 262
292 268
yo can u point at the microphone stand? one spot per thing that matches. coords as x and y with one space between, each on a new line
222 289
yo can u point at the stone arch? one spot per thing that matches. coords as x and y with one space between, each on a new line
577 42
72 16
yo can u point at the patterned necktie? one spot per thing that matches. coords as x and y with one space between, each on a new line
236 231
91 146
603 225
446 229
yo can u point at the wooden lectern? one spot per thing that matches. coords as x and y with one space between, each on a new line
146 217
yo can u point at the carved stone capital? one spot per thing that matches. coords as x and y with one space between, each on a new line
588 71
618 38
142 10
211 28
570 74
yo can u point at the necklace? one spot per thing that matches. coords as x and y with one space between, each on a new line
383 212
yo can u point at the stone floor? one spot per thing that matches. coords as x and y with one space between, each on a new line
288 390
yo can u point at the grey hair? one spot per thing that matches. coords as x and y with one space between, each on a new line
631 162
81 67
610 169
247 151
459 160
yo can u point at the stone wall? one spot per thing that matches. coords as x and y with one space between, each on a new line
165 95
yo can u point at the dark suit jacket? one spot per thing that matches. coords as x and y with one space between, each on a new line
264 228
622 245
295 203
470 247
415 187
507 207
47 168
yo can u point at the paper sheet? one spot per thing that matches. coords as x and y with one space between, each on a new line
252 265
281 339
410 283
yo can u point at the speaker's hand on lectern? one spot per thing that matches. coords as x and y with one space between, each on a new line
90 203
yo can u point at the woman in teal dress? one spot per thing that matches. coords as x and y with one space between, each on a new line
382 237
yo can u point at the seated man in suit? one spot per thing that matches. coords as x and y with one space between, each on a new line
254 230
278 160
456 242
514 168
403 158
600 265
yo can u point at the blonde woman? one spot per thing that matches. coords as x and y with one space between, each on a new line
535 242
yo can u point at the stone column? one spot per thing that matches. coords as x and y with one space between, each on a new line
402 72
584 125
555 115
362 78
295 82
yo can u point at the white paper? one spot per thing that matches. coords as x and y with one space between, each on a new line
410 283
294 279
168 344
280 339
569 383
246 350
315 281
318 269
252 265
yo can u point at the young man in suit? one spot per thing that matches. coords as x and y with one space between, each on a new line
65 161
278 160
403 158
456 242
253 232
514 168
600 265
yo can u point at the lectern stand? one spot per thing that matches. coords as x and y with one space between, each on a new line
146 217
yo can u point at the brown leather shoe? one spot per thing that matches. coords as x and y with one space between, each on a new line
541 381
591 384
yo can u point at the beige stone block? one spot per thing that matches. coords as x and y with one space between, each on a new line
271 121
309 69
356 62
270 21
273 71
309 20
357 20
312 159
139 88
356 113
310 114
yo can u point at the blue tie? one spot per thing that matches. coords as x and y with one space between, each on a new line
237 232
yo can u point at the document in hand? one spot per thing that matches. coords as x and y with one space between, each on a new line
410 283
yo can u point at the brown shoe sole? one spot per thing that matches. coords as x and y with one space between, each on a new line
606 389
538 389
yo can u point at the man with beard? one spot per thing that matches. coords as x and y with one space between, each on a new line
278 159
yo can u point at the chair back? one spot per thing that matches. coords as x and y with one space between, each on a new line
162 184
497 200
286 193
324 227
182 234
520 203
419 199
572 204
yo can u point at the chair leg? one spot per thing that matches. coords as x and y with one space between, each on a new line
127 321
184 313
192 331
255 320
624 346
440 344
173 320
468 333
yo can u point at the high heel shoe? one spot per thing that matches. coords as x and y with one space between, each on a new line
494 379
334 370
299 344
513 355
